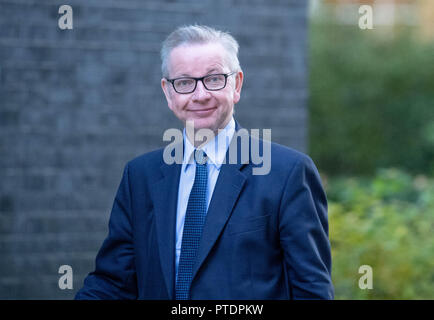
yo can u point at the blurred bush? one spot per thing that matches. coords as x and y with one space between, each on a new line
385 222
372 106
371 100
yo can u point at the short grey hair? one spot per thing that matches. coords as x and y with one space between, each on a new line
199 34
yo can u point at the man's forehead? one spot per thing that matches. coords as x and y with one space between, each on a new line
207 57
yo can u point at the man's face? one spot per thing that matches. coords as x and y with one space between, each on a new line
208 109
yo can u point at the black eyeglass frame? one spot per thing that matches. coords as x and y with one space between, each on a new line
226 75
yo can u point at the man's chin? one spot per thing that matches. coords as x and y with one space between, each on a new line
202 123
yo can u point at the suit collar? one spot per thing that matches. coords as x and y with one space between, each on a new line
165 195
230 183
215 149
228 187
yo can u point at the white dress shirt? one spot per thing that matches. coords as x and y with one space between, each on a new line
216 151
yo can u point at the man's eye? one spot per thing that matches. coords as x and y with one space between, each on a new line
213 79
185 82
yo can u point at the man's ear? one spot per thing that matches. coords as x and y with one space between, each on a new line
238 85
166 89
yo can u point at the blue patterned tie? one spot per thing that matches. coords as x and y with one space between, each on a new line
193 225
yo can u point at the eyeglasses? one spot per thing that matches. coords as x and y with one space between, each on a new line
211 82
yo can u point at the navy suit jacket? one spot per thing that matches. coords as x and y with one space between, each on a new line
265 236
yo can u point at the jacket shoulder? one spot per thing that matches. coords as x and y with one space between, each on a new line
147 160
286 156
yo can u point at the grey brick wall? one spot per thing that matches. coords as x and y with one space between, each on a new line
76 105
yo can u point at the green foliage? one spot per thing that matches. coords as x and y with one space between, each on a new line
385 222
371 100
372 106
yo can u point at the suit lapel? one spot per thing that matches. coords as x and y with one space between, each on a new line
165 196
229 185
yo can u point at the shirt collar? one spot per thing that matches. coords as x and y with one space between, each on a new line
215 149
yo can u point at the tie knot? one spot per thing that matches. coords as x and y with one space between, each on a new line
200 156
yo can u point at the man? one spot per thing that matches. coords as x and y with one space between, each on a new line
209 228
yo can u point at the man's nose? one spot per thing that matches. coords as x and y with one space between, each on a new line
200 93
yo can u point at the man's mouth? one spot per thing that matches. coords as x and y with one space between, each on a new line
203 111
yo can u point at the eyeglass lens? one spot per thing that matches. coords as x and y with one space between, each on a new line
211 82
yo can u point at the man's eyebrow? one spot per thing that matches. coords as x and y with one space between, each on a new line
216 70
186 75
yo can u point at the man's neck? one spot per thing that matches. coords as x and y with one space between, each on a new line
201 137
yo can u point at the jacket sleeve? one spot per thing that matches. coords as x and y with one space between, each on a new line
303 227
114 276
